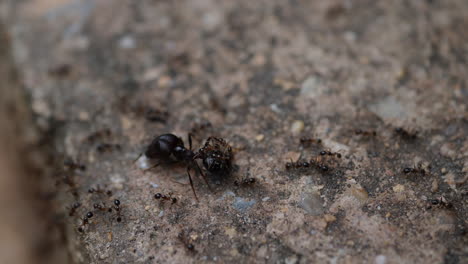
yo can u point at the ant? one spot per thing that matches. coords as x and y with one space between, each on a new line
98 134
216 156
246 181
72 165
85 221
183 238
118 209
169 197
442 202
168 148
405 133
73 208
366 133
305 141
154 115
329 153
99 190
106 147
415 170
307 164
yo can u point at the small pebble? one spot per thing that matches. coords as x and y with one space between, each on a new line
297 127
398 188
259 137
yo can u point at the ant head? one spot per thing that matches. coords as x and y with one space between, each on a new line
215 163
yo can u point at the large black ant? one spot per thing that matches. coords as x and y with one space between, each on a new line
169 148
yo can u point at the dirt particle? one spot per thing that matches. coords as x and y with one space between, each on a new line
297 127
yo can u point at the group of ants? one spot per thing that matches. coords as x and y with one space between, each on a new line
216 157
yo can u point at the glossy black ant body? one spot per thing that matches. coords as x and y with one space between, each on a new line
405 133
168 197
305 141
246 181
415 170
169 148
366 133
73 208
216 156
85 221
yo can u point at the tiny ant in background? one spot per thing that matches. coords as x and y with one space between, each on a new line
85 221
98 135
440 202
366 133
246 181
106 147
118 209
186 241
405 133
415 170
73 208
99 190
305 141
329 153
72 165
169 197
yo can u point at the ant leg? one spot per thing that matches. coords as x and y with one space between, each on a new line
139 156
191 183
203 176
154 166
190 140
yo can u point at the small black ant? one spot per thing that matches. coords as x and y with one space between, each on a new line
441 202
307 164
183 238
246 181
415 170
366 133
73 208
106 147
99 190
305 141
169 197
72 165
118 209
85 221
168 148
405 133
103 133
329 153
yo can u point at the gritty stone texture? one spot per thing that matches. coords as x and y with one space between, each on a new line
143 68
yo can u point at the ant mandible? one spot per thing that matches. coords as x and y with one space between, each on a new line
169 148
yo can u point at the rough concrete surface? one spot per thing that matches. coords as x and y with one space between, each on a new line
264 74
